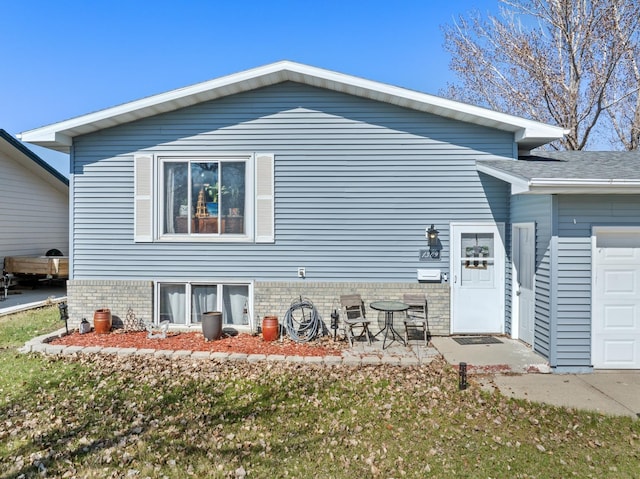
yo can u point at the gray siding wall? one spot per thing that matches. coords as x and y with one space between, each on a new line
576 215
34 216
538 209
357 182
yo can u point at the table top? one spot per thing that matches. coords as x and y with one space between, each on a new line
389 306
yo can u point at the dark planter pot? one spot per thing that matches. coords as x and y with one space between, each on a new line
102 321
212 325
270 328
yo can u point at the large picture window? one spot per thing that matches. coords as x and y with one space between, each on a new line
184 304
204 197
191 197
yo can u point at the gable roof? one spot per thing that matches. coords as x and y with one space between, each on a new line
27 158
593 172
59 136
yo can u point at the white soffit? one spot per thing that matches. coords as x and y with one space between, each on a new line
59 136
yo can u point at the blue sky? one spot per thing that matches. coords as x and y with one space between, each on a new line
66 58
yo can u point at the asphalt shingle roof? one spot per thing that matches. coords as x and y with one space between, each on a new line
587 165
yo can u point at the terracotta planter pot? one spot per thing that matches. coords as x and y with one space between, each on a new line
212 325
102 321
270 328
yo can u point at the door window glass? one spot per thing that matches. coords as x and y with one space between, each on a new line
477 250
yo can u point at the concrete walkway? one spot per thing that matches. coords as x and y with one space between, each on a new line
515 370
508 356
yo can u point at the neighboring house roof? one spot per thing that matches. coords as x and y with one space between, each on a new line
16 150
569 172
59 136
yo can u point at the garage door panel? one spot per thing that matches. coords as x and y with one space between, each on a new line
616 300
620 353
620 317
618 281
621 254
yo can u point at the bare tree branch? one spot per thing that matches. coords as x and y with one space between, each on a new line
569 62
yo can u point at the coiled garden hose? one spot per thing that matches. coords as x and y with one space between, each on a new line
302 321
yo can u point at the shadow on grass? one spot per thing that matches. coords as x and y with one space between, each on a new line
79 416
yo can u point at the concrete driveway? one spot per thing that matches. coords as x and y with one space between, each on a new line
615 393
21 298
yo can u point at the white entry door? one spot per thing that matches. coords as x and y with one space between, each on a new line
524 252
477 290
616 299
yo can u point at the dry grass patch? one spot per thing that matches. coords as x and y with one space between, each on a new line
108 416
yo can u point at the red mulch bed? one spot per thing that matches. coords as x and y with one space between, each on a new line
194 341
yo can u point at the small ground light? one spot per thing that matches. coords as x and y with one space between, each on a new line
462 372
64 315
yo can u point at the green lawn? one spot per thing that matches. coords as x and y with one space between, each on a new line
104 416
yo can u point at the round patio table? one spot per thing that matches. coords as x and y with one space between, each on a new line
389 307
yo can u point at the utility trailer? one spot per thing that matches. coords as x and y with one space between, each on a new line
47 267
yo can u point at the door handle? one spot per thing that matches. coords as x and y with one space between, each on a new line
518 293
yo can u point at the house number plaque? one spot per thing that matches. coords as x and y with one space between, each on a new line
429 255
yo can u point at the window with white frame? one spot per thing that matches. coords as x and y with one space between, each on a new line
185 303
208 198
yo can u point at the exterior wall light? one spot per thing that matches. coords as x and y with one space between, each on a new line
432 240
432 236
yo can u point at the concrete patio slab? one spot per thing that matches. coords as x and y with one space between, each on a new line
508 356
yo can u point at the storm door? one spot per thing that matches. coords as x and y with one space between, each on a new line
477 290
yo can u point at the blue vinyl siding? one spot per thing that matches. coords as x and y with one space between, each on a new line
576 216
538 209
356 184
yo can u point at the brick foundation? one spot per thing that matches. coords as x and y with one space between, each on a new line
275 298
85 296
270 298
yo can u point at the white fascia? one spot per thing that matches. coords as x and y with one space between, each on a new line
552 186
583 186
527 133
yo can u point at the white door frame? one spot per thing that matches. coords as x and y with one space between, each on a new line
455 264
515 287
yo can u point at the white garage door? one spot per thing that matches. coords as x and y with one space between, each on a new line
616 299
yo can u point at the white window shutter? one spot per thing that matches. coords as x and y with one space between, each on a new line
143 210
264 198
